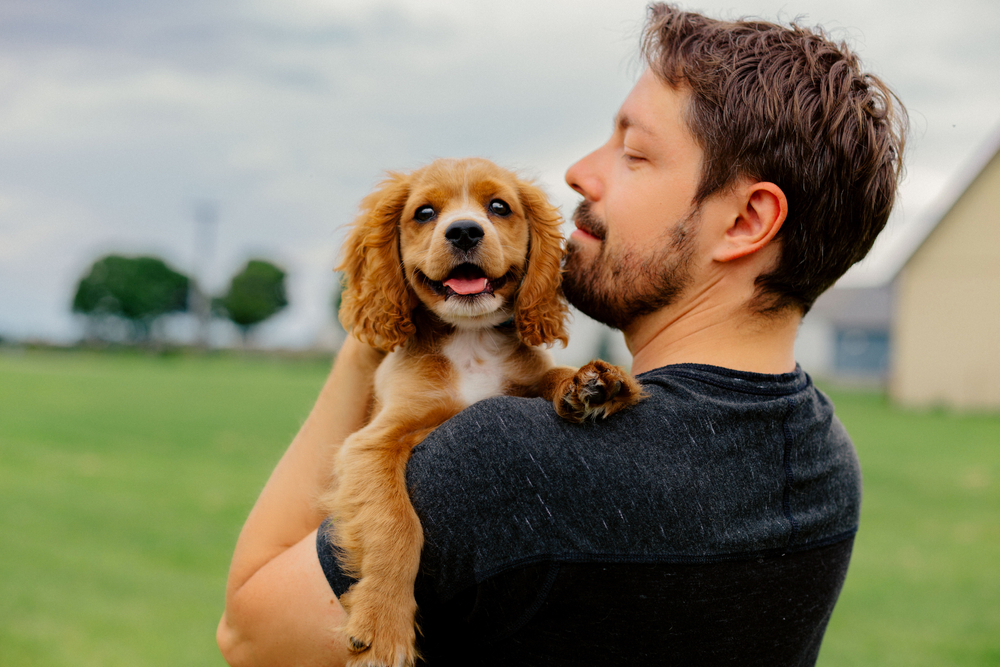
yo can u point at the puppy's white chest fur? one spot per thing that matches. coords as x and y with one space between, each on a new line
478 360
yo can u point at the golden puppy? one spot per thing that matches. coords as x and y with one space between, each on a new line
454 270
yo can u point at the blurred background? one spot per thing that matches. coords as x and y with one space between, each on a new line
213 132
191 166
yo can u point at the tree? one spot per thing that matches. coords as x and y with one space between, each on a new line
255 294
136 289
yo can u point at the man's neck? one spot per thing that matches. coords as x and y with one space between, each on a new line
713 331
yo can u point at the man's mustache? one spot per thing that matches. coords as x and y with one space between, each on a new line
585 219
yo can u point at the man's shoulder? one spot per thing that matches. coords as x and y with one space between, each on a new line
680 397
714 464
498 440
494 436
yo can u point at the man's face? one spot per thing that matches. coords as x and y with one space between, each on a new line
637 226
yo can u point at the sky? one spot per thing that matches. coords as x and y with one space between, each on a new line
122 123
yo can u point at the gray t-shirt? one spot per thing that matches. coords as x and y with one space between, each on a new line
722 487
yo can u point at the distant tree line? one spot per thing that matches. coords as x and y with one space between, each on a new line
255 294
135 292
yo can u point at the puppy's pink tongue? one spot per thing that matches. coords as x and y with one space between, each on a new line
467 285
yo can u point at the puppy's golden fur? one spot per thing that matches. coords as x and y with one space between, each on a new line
454 271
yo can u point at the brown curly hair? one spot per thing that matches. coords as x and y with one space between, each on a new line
789 106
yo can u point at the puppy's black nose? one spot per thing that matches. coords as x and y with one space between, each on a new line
464 234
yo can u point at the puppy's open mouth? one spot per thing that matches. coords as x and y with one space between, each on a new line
465 280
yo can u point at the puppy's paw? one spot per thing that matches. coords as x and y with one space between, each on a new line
380 633
598 390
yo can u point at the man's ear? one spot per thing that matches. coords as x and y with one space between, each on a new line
762 209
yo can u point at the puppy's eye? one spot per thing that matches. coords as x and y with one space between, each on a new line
424 214
499 207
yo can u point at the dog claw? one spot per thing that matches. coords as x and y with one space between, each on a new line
358 645
595 394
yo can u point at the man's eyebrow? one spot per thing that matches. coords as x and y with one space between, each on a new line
625 122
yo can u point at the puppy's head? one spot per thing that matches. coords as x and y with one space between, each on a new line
471 241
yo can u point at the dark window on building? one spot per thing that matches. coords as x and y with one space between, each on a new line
862 351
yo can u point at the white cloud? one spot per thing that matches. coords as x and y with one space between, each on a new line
117 117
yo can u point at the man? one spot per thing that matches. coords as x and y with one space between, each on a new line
749 167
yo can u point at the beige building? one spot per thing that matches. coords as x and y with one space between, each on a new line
946 320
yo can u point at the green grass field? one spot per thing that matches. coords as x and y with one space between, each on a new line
124 480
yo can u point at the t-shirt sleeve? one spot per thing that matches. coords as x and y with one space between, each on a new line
327 553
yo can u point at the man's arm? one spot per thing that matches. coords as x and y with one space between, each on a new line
279 608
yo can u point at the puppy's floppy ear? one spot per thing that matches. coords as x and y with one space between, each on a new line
377 302
541 310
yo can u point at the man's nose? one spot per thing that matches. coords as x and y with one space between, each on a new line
582 176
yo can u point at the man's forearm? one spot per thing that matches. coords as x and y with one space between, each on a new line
286 509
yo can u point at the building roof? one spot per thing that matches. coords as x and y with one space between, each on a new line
891 254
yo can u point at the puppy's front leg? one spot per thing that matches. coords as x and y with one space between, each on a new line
596 390
380 535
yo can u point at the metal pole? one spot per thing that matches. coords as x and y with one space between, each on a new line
206 216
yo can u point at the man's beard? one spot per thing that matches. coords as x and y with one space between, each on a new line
622 284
